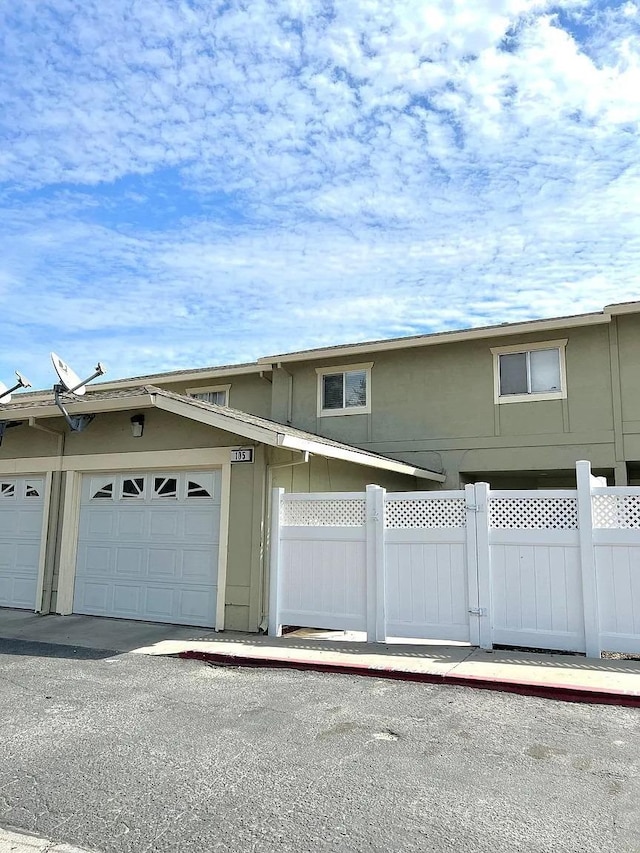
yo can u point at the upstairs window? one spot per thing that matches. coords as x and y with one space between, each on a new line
533 372
344 390
218 394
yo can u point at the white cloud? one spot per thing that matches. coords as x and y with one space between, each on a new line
285 174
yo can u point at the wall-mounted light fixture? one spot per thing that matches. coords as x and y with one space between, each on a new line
137 426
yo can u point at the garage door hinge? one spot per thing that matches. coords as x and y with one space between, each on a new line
473 507
478 611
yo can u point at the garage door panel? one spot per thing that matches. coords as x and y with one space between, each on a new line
7 522
199 522
27 555
162 546
131 522
96 559
29 523
99 522
163 563
6 590
165 523
126 599
94 597
7 555
194 604
24 592
17 592
159 602
130 561
198 564
21 517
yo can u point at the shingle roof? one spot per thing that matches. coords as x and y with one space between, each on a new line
229 417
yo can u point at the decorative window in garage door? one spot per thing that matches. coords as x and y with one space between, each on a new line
7 490
149 487
105 491
165 487
133 487
32 491
195 490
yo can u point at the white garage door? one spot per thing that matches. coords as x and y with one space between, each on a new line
148 546
21 507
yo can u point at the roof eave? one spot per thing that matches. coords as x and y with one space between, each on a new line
78 407
530 327
358 457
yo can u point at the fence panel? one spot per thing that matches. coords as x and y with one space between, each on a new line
536 588
322 576
557 569
616 537
426 566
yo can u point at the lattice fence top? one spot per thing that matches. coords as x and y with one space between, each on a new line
321 513
616 511
533 513
429 513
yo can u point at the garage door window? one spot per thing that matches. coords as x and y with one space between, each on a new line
105 491
133 487
7 490
165 487
31 491
195 490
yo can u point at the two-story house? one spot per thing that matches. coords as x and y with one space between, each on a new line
159 509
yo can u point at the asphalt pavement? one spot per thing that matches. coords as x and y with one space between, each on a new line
124 752
570 677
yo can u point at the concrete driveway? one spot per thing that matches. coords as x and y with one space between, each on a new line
124 752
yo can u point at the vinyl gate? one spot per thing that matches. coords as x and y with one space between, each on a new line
547 569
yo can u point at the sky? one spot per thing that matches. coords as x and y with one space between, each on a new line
187 183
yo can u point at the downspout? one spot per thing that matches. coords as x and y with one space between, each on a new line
54 517
264 544
279 366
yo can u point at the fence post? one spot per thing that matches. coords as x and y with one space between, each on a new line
472 563
584 482
484 613
375 565
275 626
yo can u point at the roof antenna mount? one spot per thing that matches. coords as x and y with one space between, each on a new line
5 393
5 397
70 383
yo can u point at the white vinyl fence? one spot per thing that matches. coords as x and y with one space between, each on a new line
555 569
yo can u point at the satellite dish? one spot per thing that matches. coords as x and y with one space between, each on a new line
72 384
5 393
69 378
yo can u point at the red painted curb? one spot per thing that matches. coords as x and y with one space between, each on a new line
559 692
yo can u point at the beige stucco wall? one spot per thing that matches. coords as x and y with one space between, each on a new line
111 433
628 329
434 407
334 475
249 392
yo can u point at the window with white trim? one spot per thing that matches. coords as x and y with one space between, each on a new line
530 372
344 390
216 394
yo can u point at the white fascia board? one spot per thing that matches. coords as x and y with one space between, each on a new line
291 442
77 407
623 308
528 328
224 422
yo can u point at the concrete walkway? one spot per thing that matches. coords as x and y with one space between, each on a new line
12 841
568 677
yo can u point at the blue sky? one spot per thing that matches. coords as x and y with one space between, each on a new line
191 183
